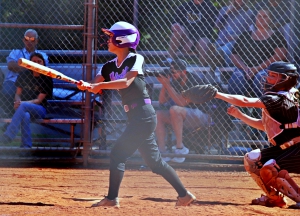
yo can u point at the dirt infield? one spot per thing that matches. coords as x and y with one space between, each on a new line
71 191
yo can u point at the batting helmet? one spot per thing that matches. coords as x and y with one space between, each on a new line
288 80
123 35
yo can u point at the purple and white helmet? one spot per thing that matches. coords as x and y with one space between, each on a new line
123 35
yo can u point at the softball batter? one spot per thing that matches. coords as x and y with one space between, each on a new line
125 74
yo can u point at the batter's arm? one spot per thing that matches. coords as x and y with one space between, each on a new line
115 84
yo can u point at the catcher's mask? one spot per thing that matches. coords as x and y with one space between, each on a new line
123 35
286 81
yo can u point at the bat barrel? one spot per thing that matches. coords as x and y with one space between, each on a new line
45 70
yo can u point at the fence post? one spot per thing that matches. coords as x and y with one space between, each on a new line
89 34
136 13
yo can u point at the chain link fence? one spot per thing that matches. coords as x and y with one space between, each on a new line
205 35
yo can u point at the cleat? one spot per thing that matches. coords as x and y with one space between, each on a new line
266 201
107 202
184 150
186 200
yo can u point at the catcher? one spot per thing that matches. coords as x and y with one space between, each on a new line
269 167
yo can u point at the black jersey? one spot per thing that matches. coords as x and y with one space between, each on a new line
32 86
284 111
254 52
137 90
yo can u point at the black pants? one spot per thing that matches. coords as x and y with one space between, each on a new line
139 134
288 159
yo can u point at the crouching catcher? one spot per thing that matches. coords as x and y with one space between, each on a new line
270 167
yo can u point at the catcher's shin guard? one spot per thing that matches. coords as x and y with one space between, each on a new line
280 180
252 165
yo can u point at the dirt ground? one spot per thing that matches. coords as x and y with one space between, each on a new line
71 191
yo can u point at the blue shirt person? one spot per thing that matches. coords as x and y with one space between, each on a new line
30 41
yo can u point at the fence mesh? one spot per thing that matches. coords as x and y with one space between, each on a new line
219 40
204 38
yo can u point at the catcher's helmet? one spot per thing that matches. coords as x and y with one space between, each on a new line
288 80
123 35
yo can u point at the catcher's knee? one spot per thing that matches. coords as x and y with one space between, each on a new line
253 166
269 173
252 162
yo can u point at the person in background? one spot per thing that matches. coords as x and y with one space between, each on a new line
193 26
232 21
279 9
30 102
253 52
281 13
30 40
175 110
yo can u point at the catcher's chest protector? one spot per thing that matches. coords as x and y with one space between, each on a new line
273 127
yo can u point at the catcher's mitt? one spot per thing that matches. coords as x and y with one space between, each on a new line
200 93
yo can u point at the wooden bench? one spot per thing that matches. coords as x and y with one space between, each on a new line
50 120
64 101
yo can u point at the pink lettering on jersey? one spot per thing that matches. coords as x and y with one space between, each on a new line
116 76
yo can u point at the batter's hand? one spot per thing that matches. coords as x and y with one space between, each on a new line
83 85
234 111
95 88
